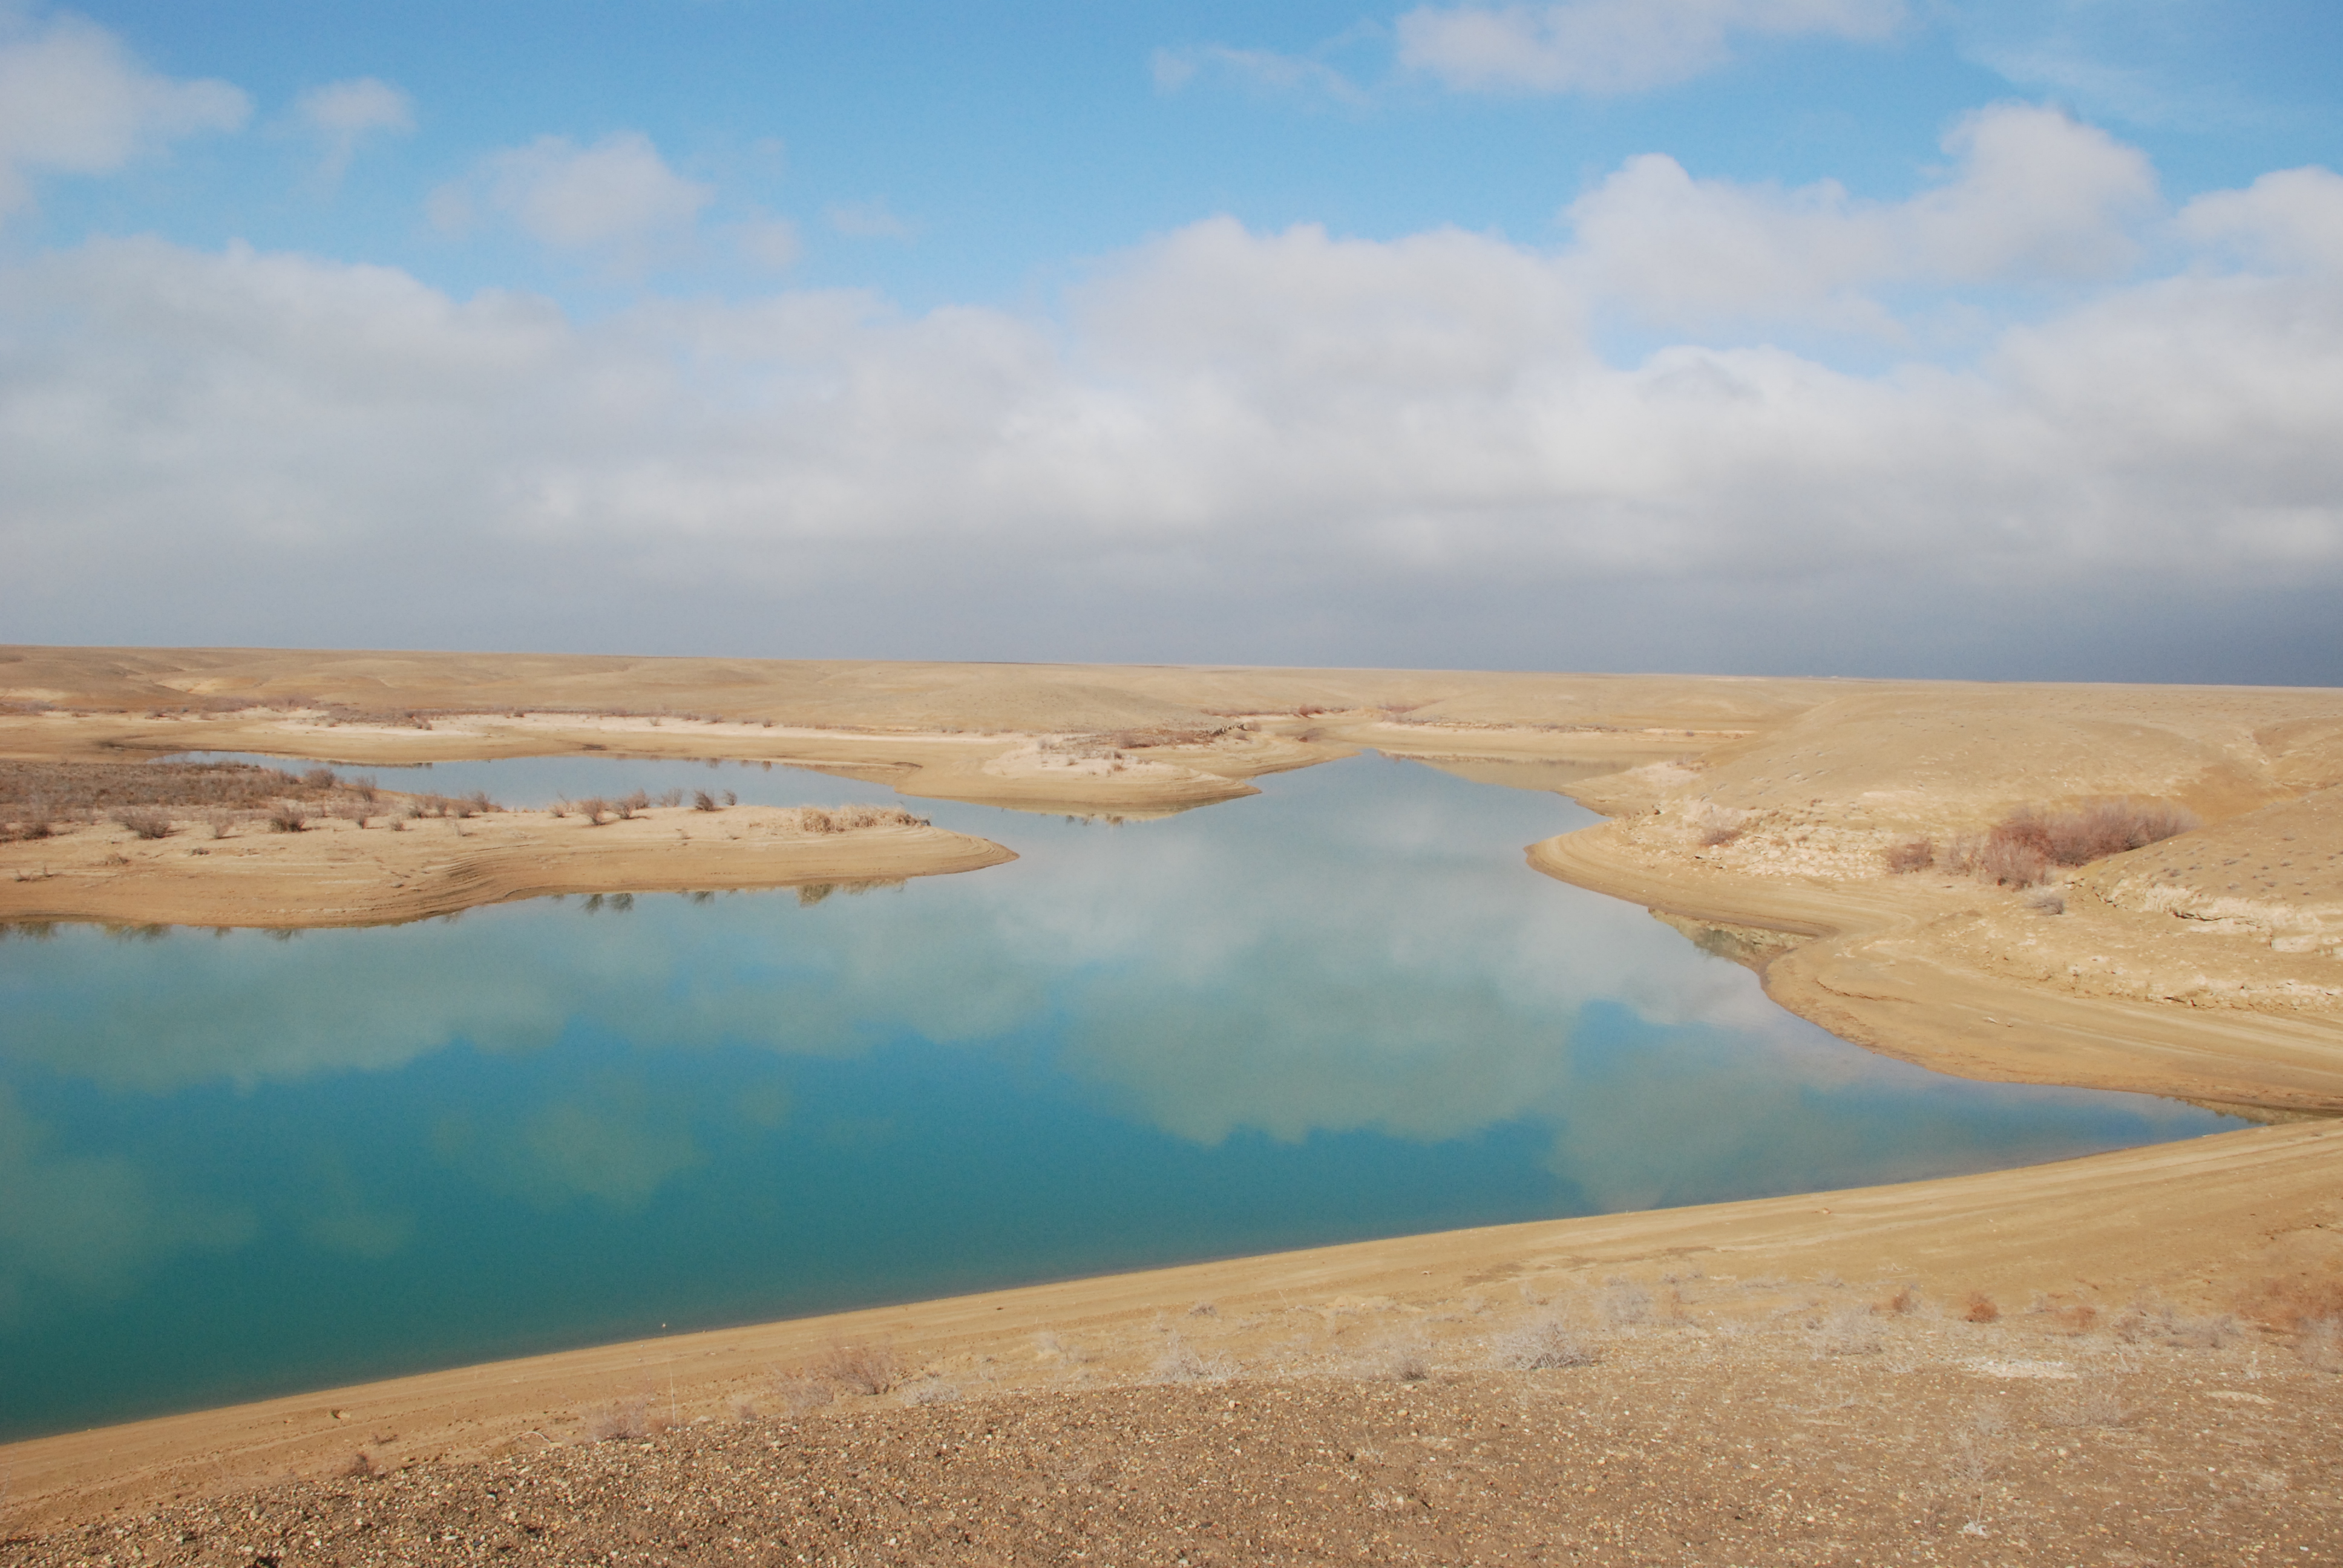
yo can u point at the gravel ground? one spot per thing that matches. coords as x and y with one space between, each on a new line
1862 1443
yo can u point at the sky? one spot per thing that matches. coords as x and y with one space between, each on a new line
1957 338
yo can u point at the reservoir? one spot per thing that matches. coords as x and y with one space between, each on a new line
240 1164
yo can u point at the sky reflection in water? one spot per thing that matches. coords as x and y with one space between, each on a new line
236 1164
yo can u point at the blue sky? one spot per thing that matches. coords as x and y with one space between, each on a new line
1861 336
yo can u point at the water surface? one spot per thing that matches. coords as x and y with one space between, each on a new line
243 1163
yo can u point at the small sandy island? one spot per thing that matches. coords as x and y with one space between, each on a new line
317 851
2127 1359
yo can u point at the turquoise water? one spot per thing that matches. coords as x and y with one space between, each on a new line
239 1164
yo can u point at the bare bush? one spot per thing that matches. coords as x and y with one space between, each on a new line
2152 1322
286 817
702 800
930 1391
2101 827
1911 855
2017 853
1402 1358
814 820
800 1395
1980 1308
593 808
2319 1343
2022 848
1851 1331
1541 1344
1183 1362
623 1422
1623 1304
321 778
861 1366
1902 1304
144 821
670 797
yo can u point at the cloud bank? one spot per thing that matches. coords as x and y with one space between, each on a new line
2093 436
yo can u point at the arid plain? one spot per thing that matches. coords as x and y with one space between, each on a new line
2172 1311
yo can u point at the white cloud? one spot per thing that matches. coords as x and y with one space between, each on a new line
1265 69
1613 45
1244 444
2036 197
770 243
73 101
872 219
343 113
616 195
2292 218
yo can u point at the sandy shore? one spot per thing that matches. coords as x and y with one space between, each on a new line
1758 814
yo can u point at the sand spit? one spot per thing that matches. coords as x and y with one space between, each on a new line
2090 1269
338 872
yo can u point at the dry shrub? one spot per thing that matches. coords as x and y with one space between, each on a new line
144 821
1541 1344
2288 1305
2320 1344
2098 829
1902 1304
321 778
2017 853
1848 1331
1912 855
1183 1362
593 808
930 1391
800 1395
2071 1318
286 817
2159 1322
1980 1308
2021 849
1402 1358
702 800
2089 1402
861 1366
622 1423
1623 1304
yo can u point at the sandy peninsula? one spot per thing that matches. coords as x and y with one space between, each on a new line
1827 833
